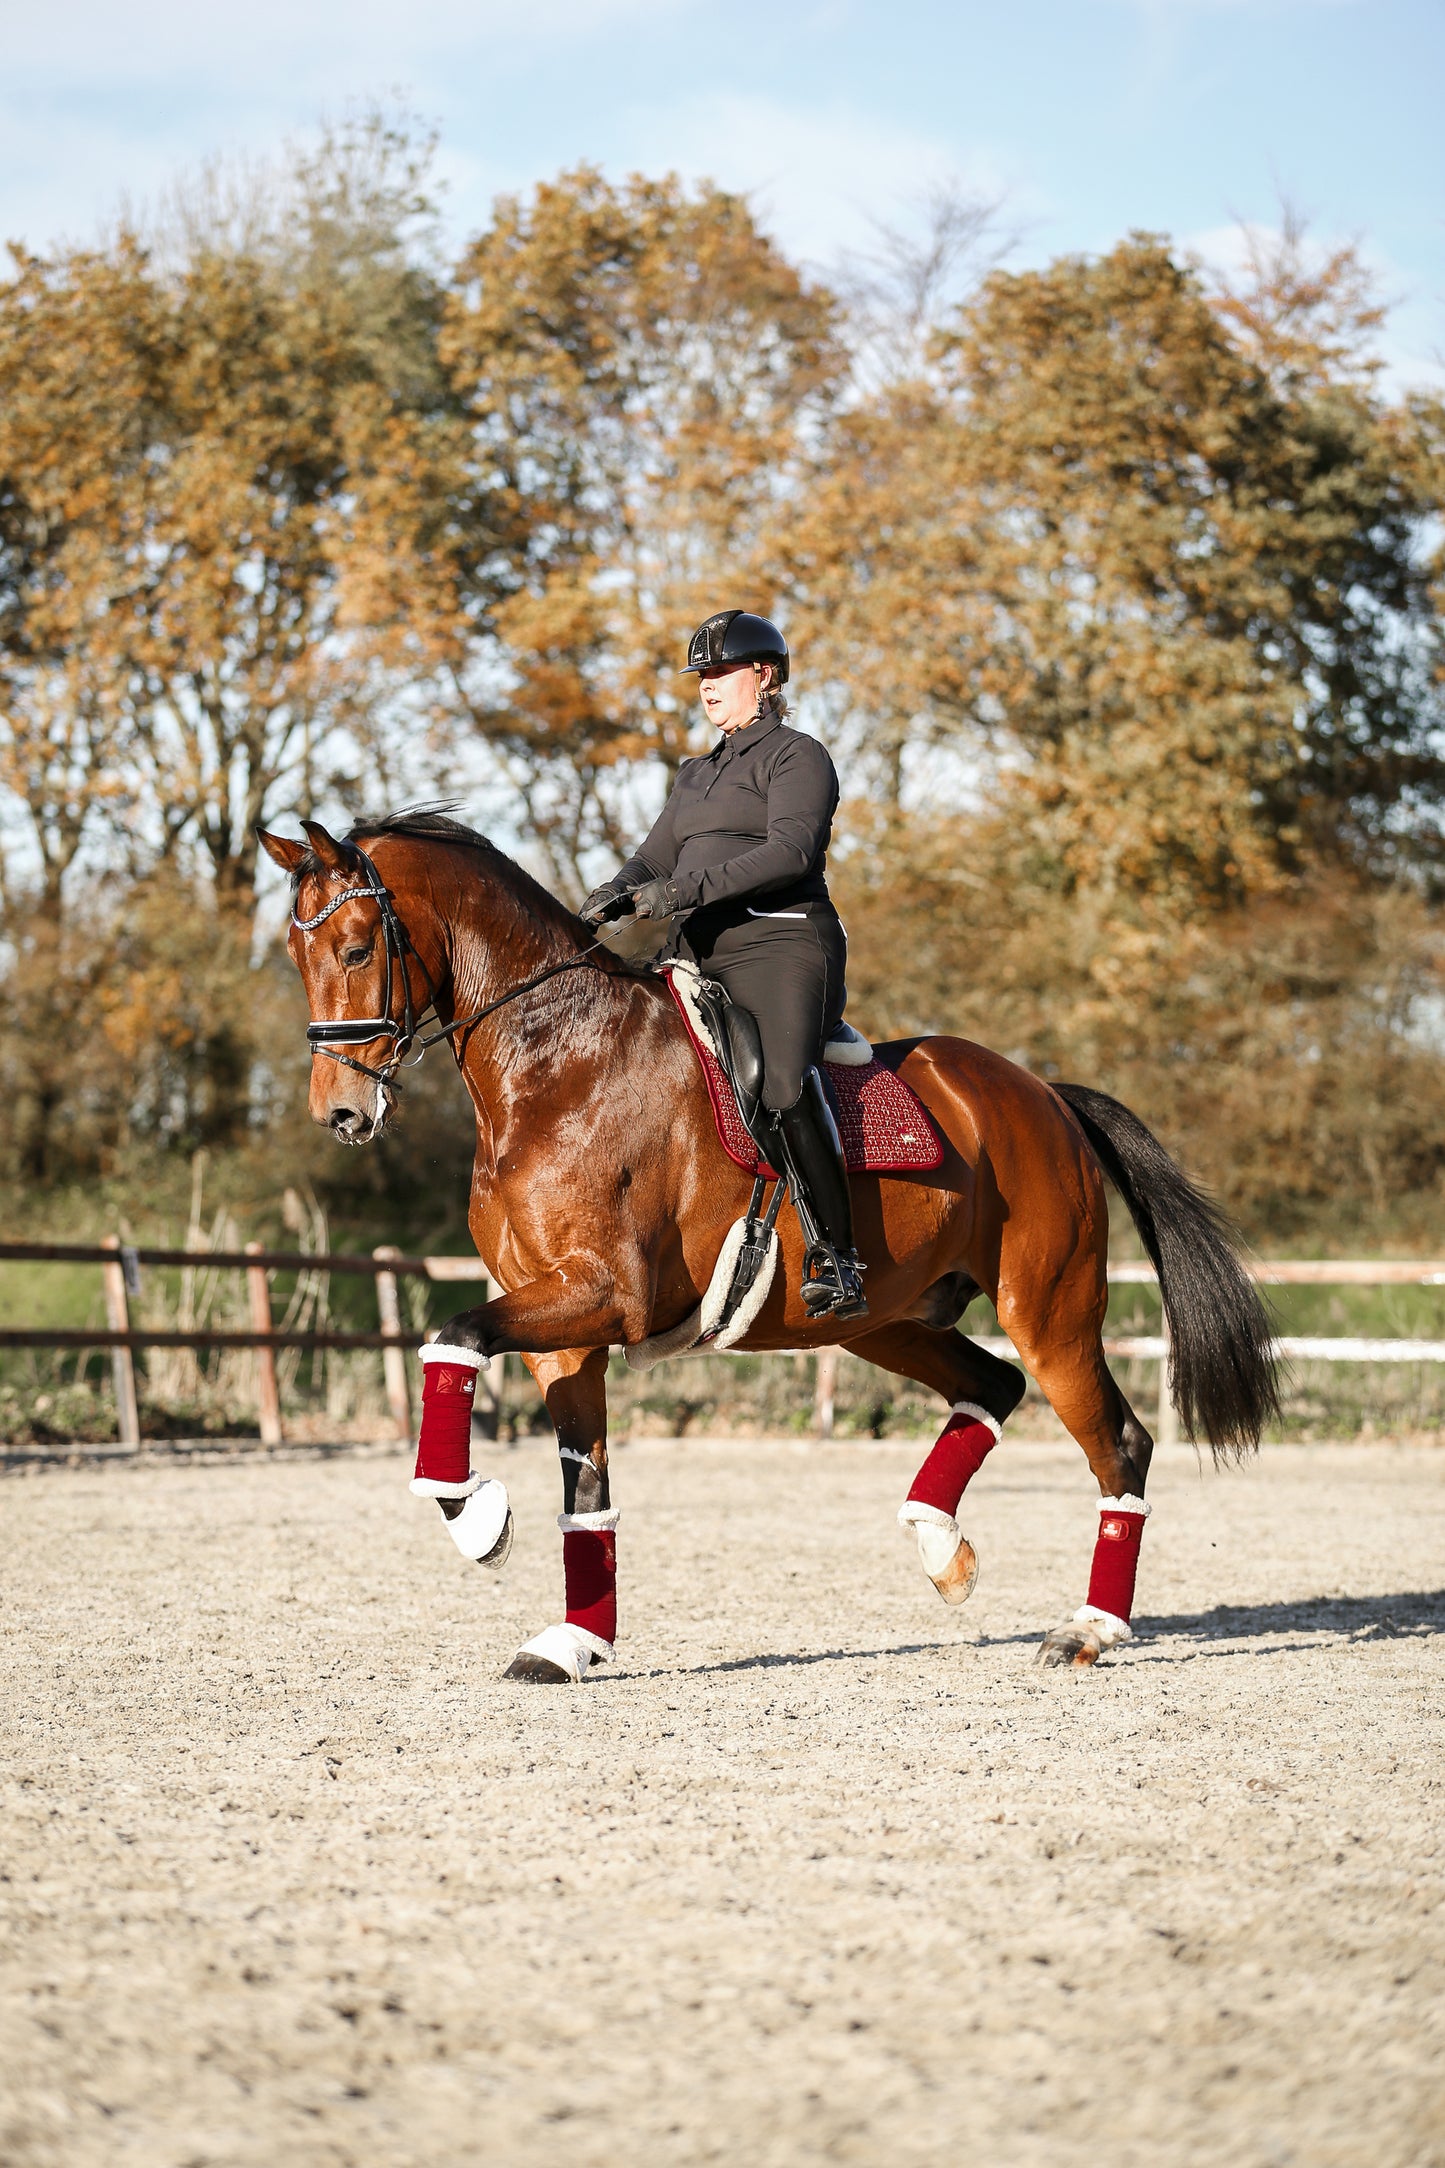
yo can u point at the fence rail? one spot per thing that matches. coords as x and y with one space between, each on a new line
120 1264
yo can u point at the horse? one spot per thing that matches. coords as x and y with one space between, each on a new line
601 1198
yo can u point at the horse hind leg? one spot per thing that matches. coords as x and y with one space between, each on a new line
982 1392
574 1387
1084 1395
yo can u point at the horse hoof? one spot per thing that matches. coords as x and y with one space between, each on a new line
502 1549
537 1670
1072 1647
959 1577
949 1559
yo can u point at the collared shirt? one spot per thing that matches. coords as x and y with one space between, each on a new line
750 818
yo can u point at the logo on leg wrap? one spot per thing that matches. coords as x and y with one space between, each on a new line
1116 1557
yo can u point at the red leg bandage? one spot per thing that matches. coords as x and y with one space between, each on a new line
969 1435
1116 1556
589 1562
444 1446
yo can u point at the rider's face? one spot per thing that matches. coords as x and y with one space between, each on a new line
729 694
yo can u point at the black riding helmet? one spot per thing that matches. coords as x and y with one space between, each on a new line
736 636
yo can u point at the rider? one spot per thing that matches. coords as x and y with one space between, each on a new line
740 848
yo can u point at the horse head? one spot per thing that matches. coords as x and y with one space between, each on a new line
359 969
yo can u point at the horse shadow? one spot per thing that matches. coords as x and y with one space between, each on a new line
1408 1614
1417 1614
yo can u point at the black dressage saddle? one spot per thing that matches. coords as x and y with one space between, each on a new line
740 1050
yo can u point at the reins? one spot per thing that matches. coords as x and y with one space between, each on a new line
327 1038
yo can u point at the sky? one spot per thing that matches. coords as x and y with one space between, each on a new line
1093 116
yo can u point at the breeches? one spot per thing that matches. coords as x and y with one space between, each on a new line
790 973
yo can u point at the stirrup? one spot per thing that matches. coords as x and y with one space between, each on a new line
833 1284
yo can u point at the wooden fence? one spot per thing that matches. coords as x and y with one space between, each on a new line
120 1265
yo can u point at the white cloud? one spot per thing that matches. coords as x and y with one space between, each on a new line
817 176
93 42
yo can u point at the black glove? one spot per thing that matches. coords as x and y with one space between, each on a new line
655 899
608 901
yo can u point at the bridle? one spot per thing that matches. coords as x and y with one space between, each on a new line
397 946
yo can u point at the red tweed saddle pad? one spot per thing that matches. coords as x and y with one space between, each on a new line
883 1127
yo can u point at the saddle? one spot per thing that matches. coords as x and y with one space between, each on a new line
882 1125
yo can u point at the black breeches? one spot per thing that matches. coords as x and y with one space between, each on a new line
790 973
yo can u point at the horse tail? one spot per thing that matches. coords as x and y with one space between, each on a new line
1223 1373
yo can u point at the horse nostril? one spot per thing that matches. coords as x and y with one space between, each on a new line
344 1120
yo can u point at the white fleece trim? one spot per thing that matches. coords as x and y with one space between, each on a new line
583 1524
440 1351
686 978
854 1052
913 1513
717 1291
647 1354
980 1415
1127 1504
1112 1632
430 1486
571 1648
482 1522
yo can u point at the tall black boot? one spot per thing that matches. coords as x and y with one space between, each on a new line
812 1159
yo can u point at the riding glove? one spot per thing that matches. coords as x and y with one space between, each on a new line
608 901
656 899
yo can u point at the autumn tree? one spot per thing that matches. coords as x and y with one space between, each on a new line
1177 587
641 367
232 503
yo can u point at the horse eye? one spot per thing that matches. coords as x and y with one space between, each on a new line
356 955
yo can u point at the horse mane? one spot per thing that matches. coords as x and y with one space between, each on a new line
438 824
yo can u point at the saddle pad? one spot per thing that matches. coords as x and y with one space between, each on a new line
883 1127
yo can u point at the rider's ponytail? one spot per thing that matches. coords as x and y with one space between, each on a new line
774 701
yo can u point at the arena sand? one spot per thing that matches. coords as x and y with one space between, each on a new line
823 1872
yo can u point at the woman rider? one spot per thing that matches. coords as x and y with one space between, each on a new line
740 848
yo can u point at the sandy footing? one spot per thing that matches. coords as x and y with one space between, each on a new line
822 1872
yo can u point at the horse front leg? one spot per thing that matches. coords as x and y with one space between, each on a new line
581 1304
574 1386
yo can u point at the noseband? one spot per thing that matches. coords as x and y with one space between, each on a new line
397 946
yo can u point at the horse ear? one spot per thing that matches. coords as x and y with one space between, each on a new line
288 855
333 855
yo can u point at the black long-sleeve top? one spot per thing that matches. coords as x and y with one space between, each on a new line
750 818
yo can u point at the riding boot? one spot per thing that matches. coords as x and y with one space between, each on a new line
812 1159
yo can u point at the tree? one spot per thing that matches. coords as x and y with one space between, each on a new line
1177 587
641 367
232 509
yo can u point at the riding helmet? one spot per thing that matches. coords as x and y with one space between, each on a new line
737 636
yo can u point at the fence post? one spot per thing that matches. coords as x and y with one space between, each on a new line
491 1386
393 1359
122 1361
268 1393
1166 1422
825 1391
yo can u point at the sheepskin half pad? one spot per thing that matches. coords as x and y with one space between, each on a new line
883 1127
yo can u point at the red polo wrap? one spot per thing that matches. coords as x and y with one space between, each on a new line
589 1562
444 1446
1116 1562
962 1448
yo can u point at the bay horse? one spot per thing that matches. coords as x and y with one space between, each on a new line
601 1196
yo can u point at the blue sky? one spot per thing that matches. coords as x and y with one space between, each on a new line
1095 115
